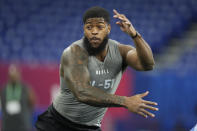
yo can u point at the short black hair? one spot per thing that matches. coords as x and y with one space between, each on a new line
95 12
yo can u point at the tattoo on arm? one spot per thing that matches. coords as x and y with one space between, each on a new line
74 62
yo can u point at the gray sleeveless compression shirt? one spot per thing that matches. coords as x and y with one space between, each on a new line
104 75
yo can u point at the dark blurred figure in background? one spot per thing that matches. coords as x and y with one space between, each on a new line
179 126
17 103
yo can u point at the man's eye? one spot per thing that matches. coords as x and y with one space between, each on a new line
100 27
88 27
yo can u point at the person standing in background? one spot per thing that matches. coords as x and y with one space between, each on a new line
17 103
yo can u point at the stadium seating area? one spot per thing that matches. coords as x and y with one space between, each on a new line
189 60
39 30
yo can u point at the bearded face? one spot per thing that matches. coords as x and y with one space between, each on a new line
96 32
94 50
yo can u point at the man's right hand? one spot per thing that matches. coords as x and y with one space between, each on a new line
137 105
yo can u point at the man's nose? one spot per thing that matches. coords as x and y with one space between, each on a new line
94 31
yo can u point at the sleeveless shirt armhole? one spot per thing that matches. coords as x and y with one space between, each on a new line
124 66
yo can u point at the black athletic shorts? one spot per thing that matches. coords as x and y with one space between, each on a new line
51 120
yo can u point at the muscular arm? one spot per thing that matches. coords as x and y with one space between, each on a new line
141 57
74 70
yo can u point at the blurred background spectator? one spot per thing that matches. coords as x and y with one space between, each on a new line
34 33
17 103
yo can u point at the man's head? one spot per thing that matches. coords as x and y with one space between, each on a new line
96 28
14 74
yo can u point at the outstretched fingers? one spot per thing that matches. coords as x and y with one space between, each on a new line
149 107
119 16
142 114
147 113
149 102
116 12
144 94
119 23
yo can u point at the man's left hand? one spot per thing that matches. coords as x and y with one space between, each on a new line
124 23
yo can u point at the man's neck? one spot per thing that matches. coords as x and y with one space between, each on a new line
101 56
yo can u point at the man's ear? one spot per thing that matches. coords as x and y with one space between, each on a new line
83 29
108 28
